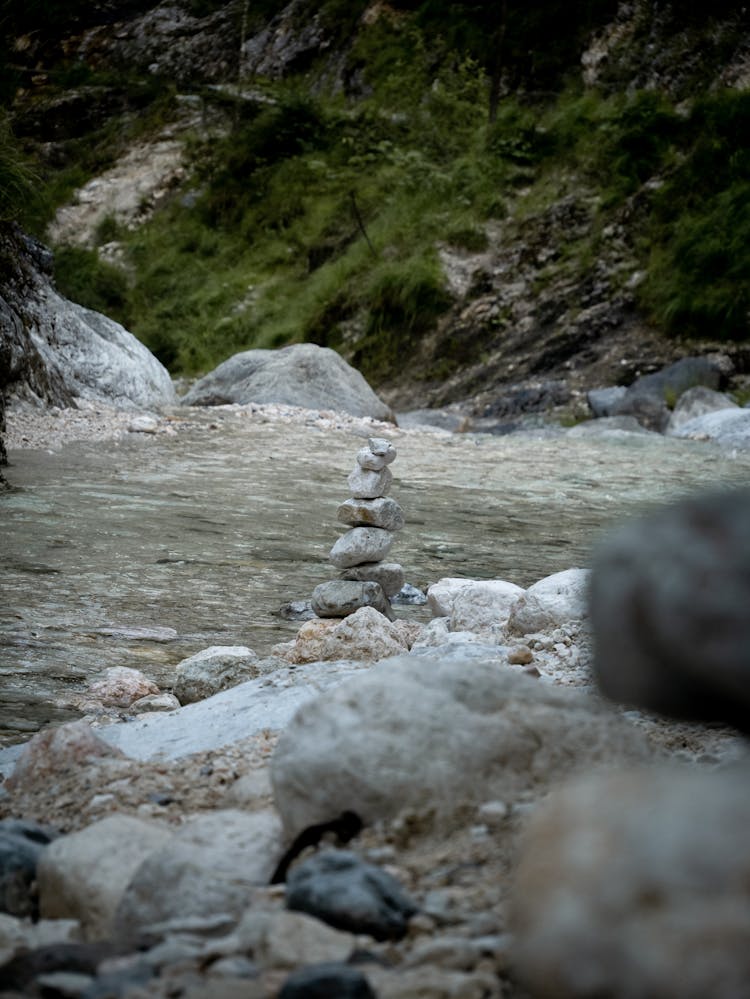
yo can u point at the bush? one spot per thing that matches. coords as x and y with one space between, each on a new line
16 176
83 278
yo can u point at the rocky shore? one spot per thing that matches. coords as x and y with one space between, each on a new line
401 808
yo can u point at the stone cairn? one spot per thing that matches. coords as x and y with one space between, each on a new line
365 580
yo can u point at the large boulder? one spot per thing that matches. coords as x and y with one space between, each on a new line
650 397
728 427
636 884
302 374
436 735
697 402
669 603
550 602
83 876
58 351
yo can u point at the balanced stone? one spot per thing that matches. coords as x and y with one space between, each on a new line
383 448
389 575
367 484
341 597
361 544
380 512
373 462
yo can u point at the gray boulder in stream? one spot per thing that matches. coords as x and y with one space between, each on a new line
301 374
55 351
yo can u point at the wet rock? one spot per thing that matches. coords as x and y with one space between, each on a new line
296 610
369 485
409 596
728 427
21 845
648 397
379 512
350 894
121 686
551 602
211 670
669 610
696 402
360 545
366 634
484 605
58 749
302 374
636 884
425 733
340 597
604 401
388 575
609 426
322 981
208 868
84 875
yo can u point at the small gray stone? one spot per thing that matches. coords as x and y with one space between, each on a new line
383 448
389 575
323 981
361 544
341 597
410 595
350 894
380 512
372 462
212 670
369 485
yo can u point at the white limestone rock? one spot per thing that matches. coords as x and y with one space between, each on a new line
696 402
379 512
728 427
364 635
434 735
361 544
365 484
441 595
84 875
636 884
59 750
551 602
212 670
484 606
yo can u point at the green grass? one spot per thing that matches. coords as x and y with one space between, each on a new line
318 218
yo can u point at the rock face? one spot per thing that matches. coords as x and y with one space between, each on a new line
58 351
427 733
636 884
302 374
669 610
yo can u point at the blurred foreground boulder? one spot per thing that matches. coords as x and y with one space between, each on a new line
670 610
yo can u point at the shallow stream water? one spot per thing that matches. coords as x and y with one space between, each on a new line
143 551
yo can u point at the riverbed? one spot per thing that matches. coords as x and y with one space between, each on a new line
141 550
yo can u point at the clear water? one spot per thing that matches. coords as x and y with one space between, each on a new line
208 533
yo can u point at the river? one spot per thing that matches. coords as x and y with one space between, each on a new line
141 551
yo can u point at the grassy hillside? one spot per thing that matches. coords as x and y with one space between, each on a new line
318 215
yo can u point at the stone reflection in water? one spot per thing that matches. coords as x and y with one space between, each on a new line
142 552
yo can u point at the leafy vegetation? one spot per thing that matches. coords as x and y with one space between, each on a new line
318 217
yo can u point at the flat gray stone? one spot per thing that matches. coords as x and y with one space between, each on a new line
369 485
340 597
389 575
380 512
361 544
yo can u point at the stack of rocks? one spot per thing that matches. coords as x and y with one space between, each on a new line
365 580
